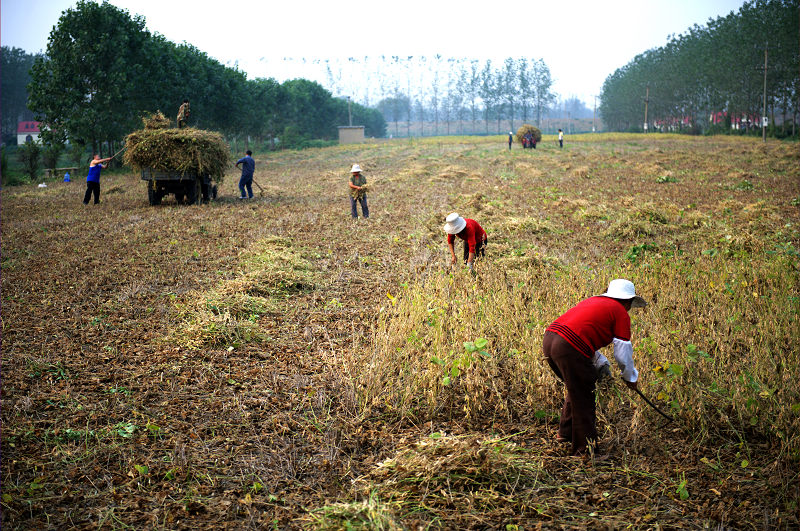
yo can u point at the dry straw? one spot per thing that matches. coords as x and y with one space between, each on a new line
525 129
184 151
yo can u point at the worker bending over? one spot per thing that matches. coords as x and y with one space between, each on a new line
571 346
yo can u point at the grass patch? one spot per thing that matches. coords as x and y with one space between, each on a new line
272 271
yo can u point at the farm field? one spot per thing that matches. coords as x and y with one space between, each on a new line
274 364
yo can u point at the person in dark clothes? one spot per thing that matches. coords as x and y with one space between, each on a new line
93 179
246 180
510 139
571 346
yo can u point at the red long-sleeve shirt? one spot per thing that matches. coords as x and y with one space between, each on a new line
472 234
593 323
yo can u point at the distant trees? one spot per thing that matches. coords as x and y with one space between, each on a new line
467 89
102 70
712 76
15 66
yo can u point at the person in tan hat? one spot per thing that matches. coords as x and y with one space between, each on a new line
468 230
358 192
571 345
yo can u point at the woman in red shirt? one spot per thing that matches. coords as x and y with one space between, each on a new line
468 230
571 345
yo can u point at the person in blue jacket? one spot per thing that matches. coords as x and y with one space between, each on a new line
93 179
246 180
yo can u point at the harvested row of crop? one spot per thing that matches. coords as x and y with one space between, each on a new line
273 270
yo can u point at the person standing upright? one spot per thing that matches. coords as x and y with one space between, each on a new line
246 180
93 179
510 139
183 114
358 192
560 138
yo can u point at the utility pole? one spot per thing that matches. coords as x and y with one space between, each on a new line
646 101
764 107
594 113
349 113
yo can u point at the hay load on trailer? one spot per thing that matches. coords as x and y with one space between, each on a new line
528 134
186 162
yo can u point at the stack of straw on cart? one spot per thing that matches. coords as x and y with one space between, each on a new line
186 150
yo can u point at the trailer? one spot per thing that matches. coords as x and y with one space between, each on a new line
189 187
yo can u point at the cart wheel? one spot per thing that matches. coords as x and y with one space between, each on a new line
153 196
193 192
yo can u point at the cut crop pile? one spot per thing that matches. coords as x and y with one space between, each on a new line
184 151
525 129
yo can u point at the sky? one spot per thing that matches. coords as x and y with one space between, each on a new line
581 41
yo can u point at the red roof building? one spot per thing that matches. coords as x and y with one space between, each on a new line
27 131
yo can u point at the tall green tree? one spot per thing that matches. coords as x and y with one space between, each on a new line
542 84
93 77
488 91
15 66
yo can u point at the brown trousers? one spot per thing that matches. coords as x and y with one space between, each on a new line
578 421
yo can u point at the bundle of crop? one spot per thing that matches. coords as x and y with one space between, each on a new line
525 129
156 120
183 151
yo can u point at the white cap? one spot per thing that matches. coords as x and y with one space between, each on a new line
624 289
355 169
455 223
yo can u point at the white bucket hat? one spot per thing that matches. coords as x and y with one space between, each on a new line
623 289
455 223
355 169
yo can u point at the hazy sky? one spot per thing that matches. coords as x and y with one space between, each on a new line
582 41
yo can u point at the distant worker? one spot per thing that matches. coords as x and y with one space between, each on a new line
246 180
560 138
67 178
471 232
510 139
93 179
183 114
358 192
571 346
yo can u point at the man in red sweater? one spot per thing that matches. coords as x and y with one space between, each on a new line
468 230
571 345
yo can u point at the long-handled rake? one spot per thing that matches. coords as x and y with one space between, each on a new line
652 405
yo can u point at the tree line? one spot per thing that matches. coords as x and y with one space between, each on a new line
712 77
93 86
447 94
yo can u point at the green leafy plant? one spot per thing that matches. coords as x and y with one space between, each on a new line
125 429
681 490
636 251
29 154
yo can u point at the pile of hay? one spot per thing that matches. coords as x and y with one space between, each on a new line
187 150
156 120
525 128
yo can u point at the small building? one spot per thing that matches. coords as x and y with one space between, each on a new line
351 134
27 132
